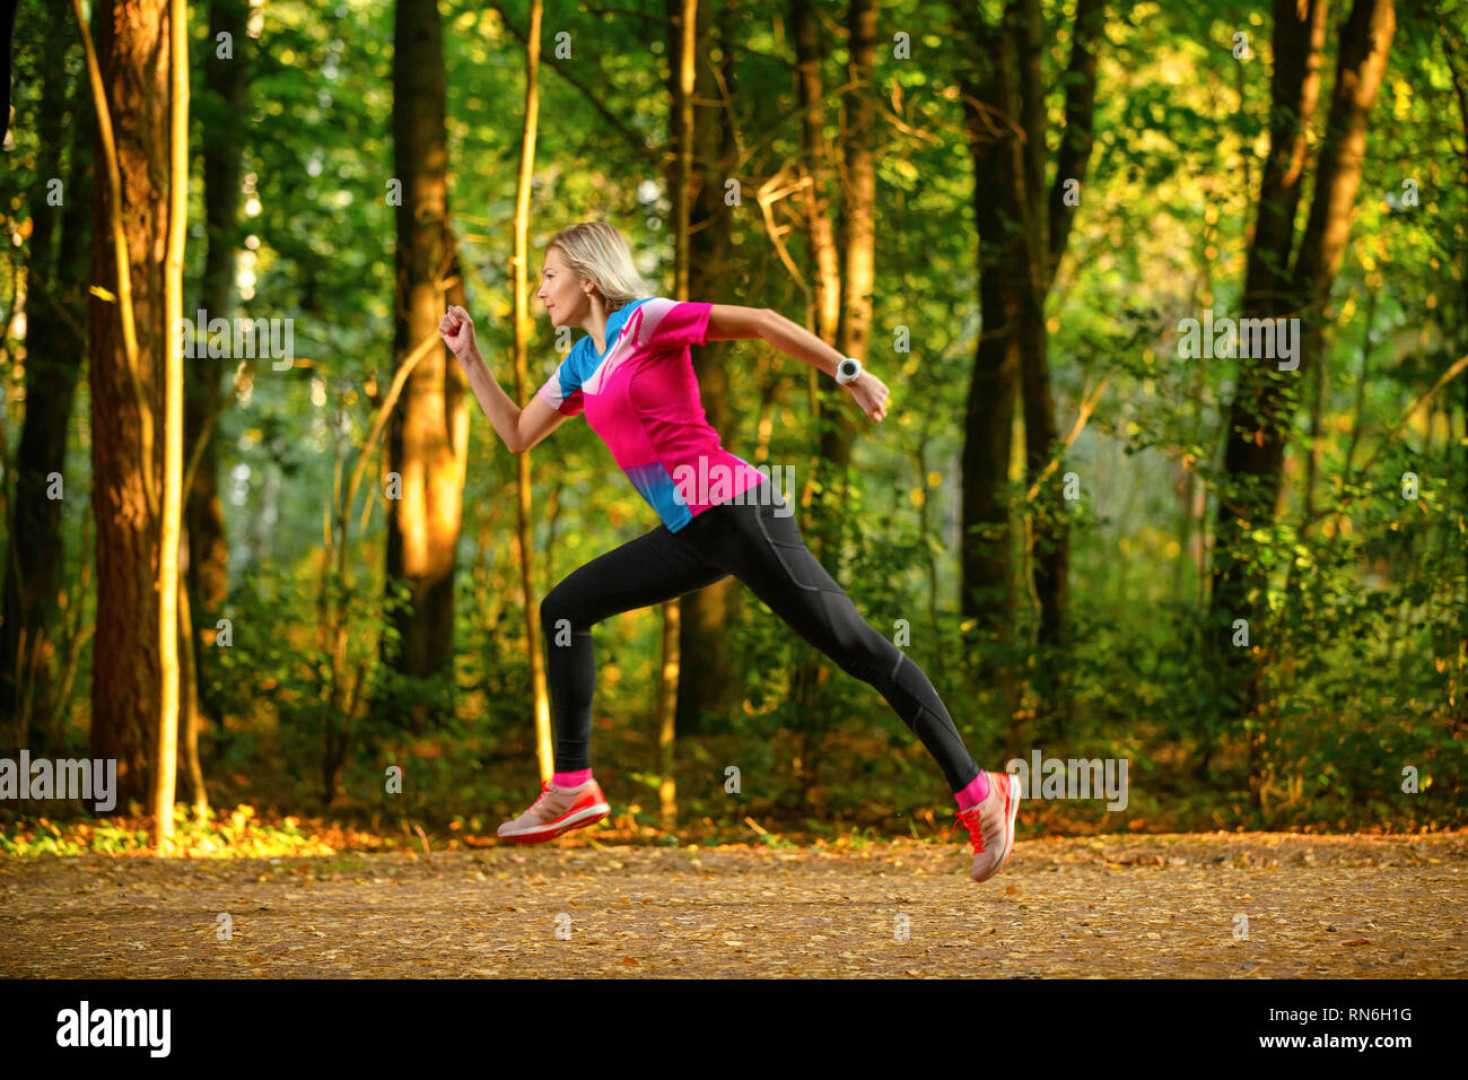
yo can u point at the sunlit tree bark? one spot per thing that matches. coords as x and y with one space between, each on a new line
165 762
129 79
424 512
520 279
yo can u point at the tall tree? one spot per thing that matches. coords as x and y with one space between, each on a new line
1024 217
845 269
708 681
1297 38
856 255
424 515
1262 412
683 32
128 72
520 283
54 345
1047 228
816 164
165 763
987 581
222 110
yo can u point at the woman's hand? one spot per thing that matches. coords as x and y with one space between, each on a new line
871 394
457 331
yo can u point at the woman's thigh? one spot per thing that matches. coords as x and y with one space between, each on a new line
648 570
761 546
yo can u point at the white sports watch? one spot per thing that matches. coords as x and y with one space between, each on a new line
847 370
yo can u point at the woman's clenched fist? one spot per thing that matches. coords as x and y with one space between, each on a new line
457 331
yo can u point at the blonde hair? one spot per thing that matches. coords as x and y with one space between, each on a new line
596 251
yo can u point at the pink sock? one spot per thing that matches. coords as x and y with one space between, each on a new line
974 792
571 779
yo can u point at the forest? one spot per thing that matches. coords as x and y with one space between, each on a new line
1171 299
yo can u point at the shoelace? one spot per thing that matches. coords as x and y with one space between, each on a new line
971 823
545 789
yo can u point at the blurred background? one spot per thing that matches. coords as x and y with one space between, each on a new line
1102 515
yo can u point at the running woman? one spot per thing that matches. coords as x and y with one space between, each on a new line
633 377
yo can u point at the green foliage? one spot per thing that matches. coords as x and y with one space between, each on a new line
1356 594
236 834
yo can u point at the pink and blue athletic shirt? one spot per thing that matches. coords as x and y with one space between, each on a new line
641 397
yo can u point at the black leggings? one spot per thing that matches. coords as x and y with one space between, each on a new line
760 545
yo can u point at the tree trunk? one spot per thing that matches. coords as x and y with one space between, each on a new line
1047 229
225 82
820 208
1049 232
1049 532
132 55
1298 36
1262 411
829 484
987 590
1024 233
820 229
1079 137
856 245
683 33
423 522
708 683
29 620
1367 40
165 761
188 751
519 271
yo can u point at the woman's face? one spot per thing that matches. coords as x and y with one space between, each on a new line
562 291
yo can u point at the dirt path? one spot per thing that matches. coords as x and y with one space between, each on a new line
1155 906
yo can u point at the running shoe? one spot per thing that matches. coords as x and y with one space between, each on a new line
990 825
558 810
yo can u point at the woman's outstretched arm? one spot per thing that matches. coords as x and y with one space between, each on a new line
728 321
733 321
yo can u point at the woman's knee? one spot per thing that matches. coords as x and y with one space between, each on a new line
558 613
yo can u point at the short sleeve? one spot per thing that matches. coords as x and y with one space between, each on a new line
674 324
562 391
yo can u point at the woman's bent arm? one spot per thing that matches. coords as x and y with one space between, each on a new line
537 420
503 413
519 429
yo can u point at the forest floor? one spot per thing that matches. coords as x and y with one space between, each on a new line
1219 905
